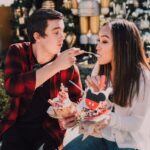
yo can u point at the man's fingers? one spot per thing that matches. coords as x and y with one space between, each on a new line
73 59
75 52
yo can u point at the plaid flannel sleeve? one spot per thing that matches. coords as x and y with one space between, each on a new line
19 80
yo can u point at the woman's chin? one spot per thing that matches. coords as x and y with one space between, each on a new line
102 62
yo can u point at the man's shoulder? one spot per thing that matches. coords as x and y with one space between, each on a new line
22 47
21 44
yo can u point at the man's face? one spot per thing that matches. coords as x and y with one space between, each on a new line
54 36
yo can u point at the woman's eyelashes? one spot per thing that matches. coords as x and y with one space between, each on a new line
102 41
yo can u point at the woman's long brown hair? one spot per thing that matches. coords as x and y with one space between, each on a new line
128 55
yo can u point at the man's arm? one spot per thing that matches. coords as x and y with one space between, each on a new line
20 81
64 61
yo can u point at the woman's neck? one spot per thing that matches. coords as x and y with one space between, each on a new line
112 72
112 75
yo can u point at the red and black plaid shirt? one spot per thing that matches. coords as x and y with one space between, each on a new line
20 78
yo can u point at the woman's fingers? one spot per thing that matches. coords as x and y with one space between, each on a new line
102 82
104 123
96 80
70 124
97 83
69 121
92 83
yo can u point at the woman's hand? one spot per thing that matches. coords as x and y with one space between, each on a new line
96 83
102 124
69 121
94 128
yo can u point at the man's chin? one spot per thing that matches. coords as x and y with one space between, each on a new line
56 51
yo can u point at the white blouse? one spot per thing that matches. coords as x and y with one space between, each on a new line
130 126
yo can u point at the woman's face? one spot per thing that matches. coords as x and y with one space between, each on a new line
105 46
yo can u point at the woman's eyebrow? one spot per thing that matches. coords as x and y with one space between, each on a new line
105 36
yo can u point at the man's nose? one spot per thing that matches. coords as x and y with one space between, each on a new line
62 36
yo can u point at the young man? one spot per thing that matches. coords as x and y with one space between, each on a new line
33 74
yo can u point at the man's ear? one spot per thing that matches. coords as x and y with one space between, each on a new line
36 36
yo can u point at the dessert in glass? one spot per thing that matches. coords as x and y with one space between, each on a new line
61 106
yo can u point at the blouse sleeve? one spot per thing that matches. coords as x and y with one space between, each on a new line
140 109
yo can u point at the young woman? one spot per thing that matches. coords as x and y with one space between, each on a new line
122 60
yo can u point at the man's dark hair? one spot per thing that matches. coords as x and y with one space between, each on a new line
37 22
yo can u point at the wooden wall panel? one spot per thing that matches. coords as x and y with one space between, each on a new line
5 27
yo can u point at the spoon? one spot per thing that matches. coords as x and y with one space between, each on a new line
96 55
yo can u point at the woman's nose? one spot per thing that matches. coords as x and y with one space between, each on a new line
98 47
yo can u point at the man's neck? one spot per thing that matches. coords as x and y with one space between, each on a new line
41 56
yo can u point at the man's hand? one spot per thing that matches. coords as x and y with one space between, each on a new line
67 58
